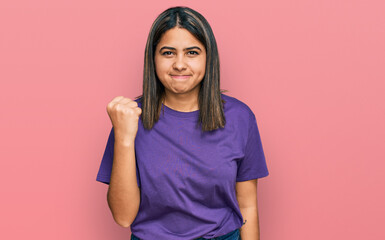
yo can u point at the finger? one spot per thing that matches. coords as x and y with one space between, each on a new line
125 101
114 101
139 110
129 103
132 104
117 99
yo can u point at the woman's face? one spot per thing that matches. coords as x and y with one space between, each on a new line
180 61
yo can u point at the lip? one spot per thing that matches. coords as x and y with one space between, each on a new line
180 76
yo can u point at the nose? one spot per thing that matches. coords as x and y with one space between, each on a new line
179 63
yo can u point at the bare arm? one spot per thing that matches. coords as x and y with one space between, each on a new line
123 193
247 199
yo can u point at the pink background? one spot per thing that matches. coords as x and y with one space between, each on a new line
312 72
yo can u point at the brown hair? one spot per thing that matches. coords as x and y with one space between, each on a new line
211 114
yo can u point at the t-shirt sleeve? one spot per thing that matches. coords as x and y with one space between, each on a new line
253 164
104 173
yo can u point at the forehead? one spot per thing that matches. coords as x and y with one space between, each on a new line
178 38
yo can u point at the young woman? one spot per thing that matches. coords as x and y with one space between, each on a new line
182 160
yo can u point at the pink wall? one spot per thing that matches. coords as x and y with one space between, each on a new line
312 71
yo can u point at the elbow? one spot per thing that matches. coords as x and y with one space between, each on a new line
123 223
124 219
123 212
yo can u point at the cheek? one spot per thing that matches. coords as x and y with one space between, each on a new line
200 67
203 63
162 66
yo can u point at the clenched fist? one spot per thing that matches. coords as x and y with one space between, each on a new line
124 114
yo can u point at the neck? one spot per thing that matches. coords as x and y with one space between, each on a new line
181 102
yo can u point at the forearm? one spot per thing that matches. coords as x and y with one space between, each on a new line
123 192
250 230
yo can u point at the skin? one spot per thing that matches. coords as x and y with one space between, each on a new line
246 193
180 94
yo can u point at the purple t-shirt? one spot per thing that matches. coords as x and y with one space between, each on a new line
187 177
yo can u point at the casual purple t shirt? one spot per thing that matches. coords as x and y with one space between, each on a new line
187 177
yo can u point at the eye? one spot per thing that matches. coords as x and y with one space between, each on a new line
164 53
195 53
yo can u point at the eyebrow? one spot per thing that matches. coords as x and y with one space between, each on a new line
171 48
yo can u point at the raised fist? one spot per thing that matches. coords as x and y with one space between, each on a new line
124 114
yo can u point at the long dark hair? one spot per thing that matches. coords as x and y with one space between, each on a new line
211 114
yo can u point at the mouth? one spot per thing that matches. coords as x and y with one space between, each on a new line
180 76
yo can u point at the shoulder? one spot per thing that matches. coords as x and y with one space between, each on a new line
234 106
